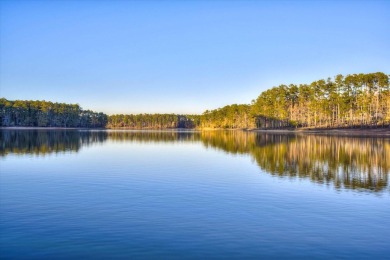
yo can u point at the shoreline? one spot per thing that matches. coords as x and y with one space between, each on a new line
378 132
46 128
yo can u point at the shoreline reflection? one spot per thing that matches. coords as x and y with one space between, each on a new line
346 162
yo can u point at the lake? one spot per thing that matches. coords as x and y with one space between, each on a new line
187 194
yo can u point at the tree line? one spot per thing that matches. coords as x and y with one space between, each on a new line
152 121
48 114
232 116
356 100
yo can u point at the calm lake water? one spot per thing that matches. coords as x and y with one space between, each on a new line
134 194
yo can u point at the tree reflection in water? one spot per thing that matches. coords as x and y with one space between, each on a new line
345 162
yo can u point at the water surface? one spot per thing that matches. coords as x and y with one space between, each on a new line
170 194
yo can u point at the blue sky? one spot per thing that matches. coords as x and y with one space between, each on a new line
182 56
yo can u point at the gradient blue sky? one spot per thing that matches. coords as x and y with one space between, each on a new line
182 56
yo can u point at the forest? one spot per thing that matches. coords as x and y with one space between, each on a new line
355 100
153 121
48 114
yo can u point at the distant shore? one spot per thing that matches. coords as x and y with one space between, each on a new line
340 131
46 128
385 132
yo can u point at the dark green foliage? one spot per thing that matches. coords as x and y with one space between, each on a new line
152 121
48 114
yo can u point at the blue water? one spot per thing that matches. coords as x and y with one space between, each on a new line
189 195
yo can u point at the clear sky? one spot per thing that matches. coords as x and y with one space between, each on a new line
182 56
